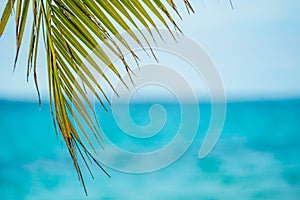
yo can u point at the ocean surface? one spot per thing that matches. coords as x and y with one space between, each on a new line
256 157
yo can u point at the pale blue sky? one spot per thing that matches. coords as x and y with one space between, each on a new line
256 48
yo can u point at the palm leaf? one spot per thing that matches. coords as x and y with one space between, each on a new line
70 30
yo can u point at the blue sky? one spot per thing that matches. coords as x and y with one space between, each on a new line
256 48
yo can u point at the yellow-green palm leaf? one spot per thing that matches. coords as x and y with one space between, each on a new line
70 30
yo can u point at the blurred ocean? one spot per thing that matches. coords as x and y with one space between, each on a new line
257 157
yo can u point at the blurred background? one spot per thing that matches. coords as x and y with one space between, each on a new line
255 47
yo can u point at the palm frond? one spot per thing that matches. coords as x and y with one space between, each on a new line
70 30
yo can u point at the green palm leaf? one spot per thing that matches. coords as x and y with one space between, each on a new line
70 30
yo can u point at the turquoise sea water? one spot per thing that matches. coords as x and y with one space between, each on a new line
257 157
